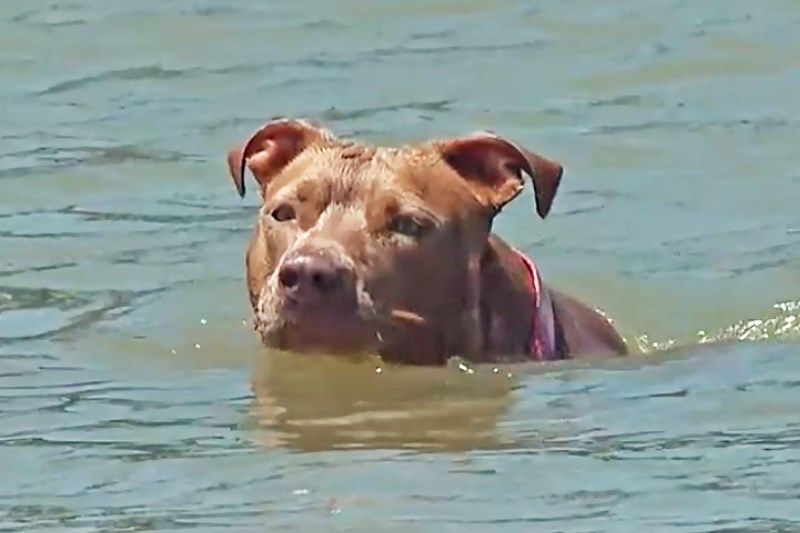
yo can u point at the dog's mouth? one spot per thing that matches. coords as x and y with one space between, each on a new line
360 326
328 326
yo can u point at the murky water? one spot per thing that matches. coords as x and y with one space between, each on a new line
133 397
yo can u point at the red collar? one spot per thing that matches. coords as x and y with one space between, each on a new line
542 344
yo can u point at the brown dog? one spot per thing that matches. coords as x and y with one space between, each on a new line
389 250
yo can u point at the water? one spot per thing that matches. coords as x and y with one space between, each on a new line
133 397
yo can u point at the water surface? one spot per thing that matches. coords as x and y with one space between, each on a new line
133 396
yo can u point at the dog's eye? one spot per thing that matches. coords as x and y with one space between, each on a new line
406 225
282 213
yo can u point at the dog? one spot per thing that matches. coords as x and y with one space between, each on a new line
389 250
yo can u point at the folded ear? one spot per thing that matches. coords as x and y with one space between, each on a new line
493 168
271 148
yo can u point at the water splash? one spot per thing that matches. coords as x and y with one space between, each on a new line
781 324
646 345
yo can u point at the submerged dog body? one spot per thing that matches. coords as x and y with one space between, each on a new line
390 251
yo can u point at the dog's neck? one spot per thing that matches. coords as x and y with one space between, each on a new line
499 317
506 305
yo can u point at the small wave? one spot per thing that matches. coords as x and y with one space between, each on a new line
758 124
381 53
126 74
147 73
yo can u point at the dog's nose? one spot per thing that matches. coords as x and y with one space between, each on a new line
312 276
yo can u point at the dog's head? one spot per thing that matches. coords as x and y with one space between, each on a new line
360 247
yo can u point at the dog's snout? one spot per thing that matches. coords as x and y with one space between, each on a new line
315 278
317 273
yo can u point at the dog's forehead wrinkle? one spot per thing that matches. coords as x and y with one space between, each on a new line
350 211
355 174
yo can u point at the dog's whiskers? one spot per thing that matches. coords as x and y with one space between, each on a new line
394 317
407 317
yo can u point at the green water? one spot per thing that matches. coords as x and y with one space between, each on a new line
133 396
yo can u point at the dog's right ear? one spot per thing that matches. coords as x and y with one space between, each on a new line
271 148
494 168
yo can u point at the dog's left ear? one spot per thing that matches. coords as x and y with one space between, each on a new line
493 166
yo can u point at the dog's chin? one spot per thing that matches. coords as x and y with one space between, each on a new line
327 333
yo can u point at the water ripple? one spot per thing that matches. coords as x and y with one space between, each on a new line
50 158
41 313
152 72
334 115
